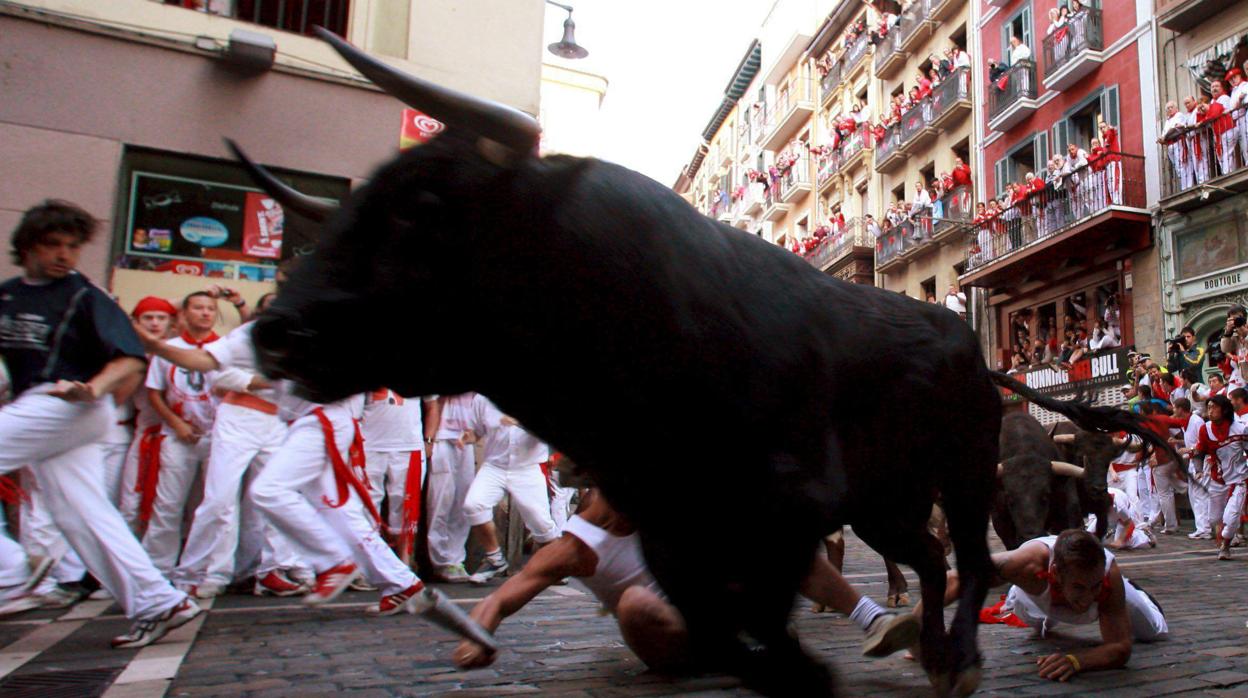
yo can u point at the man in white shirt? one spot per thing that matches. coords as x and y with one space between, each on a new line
1239 109
511 464
184 400
921 211
955 300
1198 472
1172 136
394 460
452 466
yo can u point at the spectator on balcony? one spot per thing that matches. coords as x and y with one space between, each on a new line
921 211
1238 110
955 300
942 65
961 59
1055 188
996 75
873 228
1197 140
924 85
1102 337
1058 34
1019 51
1173 138
1080 185
961 173
1113 161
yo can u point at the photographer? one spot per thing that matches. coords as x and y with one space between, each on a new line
1235 344
1175 350
1193 354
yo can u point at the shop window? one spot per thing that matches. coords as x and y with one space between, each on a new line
298 16
205 217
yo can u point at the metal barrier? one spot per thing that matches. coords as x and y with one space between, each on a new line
840 243
297 16
1082 32
1018 82
1205 152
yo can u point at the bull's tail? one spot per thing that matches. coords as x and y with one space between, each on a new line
1104 419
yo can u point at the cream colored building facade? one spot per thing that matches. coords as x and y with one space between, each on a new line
777 123
99 94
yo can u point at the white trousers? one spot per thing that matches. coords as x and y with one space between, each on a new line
230 538
1226 504
527 486
295 491
1129 481
451 469
114 463
14 567
1166 481
129 498
60 441
1198 494
179 466
387 478
1148 623
41 538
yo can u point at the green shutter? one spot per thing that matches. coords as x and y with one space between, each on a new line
1109 107
1041 151
1001 175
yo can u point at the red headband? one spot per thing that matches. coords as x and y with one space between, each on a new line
153 304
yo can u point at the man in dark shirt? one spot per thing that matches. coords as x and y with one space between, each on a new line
68 348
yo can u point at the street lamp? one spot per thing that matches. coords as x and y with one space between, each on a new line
567 47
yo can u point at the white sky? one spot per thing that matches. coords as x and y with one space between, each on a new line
665 79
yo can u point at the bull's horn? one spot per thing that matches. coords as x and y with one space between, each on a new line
1064 439
311 208
1120 442
497 122
1066 469
1000 469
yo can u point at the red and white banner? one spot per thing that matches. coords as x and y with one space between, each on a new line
262 226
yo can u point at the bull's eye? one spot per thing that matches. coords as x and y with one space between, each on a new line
302 333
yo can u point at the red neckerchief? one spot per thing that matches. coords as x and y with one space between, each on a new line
198 343
1220 440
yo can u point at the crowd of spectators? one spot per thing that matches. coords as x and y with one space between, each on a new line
916 218
1037 340
1209 137
1072 185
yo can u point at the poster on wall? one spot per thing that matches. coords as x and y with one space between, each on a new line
418 127
176 218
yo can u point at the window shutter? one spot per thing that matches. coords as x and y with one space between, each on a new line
1026 37
1061 131
1109 106
1040 150
1001 175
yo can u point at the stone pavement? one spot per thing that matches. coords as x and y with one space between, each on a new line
560 645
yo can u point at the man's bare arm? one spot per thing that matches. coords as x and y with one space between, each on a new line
190 359
562 558
1115 647
109 378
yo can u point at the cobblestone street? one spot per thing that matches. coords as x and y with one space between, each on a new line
561 646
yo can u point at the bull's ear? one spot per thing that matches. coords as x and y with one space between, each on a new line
509 127
313 209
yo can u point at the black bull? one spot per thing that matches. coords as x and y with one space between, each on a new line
1037 493
717 387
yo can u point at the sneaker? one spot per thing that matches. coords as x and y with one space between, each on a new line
1148 533
207 590
491 568
277 584
39 569
456 574
331 583
301 575
361 584
1200 535
101 594
145 632
889 633
1224 553
62 596
1237 541
399 602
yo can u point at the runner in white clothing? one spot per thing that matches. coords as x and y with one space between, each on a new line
511 464
394 459
452 465
1222 442
187 408
1126 530
156 316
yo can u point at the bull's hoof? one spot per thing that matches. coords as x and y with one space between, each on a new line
897 600
819 608
967 681
940 684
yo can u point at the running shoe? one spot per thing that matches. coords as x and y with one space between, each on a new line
277 584
1200 535
392 604
889 633
361 584
456 574
331 583
145 632
207 590
491 568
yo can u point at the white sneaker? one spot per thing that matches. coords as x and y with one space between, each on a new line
100 594
145 632
456 574
889 633
1200 535
207 590
491 568
1237 541
19 604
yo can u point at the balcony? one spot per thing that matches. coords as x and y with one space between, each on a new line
827 167
773 208
951 99
1012 97
888 57
755 198
744 137
941 10
916 128
795 103
795 183
854 149
1197 168
855 53
889 154
1185 15
750 200
1099 213
839 244
758 120
726 154
898 242
952 212
998 3
298 16
1073 51
915 26
721 207
828 84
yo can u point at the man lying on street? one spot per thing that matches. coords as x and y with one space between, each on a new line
1071 578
